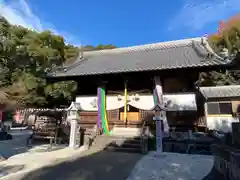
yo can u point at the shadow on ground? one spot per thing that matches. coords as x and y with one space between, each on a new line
101 165
5 170
94 164
18 145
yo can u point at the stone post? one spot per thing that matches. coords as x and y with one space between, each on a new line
159 136
159 126
73 134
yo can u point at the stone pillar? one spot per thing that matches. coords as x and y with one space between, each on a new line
73 134
159 136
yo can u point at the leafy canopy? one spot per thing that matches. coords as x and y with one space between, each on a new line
227 36
26 57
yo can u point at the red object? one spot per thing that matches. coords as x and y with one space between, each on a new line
221 27
17 117
1 115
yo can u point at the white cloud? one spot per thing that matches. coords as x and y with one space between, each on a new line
196 14
19 12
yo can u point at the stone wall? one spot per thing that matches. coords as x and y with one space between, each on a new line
227 157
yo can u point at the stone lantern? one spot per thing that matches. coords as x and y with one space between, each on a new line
73 117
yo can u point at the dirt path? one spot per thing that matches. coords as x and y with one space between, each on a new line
96 166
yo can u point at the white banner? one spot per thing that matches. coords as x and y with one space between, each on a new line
178 102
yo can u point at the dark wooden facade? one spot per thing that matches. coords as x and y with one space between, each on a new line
176 81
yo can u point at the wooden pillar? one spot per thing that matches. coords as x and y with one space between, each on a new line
125 101
159 93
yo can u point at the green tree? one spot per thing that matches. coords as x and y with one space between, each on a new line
26 57
228 37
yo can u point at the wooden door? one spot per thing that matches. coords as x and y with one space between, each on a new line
131 116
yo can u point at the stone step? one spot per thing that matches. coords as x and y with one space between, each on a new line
118 131
123 149
123 129
121 139
119 143
125 145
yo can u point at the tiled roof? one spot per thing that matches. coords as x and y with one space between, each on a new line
158 56
220 91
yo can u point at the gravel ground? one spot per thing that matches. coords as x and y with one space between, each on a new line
21 164
94 164
172 166
84 165
102 165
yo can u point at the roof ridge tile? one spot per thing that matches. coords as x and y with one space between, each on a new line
145 47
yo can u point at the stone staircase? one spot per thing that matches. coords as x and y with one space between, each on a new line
120 140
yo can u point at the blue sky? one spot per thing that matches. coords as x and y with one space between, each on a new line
120 22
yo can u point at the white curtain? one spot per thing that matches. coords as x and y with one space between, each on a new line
145 102
89 103
179 102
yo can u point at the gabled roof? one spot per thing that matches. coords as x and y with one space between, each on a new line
220 91
186 53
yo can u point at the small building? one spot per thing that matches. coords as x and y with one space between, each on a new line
222 106
133 79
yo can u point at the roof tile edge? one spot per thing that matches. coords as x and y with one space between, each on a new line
219 87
